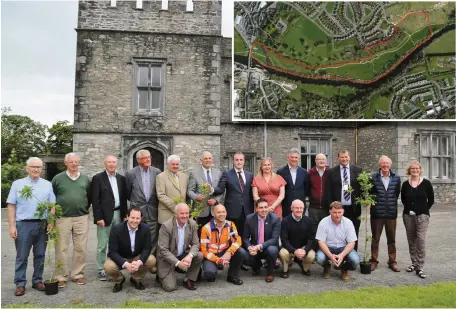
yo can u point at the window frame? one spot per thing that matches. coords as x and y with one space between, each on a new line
314 137
148 62
428 155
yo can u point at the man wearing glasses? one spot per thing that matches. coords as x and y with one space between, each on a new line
25 229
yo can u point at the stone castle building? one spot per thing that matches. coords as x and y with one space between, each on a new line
157 75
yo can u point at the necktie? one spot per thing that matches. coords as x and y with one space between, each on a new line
346 194
176 180
209 180
241 181
261 232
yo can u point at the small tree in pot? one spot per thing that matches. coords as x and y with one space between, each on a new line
366 200
50 212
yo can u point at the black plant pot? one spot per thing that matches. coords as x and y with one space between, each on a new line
51 287
365 267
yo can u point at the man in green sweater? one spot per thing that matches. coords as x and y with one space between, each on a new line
72 191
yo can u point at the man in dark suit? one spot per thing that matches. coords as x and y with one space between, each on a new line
142 193
297 181
340 179
237 185
109 202
203 174
178 250
261 238
129 248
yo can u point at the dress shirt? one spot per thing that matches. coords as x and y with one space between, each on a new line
345 202
75 177
115 189
295 218
293 172
386 180
132 234
242 174
205 173
145 177
180 238
26 208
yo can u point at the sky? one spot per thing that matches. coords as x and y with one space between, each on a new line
38 57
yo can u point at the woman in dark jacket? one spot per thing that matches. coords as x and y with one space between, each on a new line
386 188
417 195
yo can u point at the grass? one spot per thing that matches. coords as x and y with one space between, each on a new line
437 295
397 10
325 91
434 64
378 102
240 48
330 6
444 44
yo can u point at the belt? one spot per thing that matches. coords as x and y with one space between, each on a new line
117 208
31 220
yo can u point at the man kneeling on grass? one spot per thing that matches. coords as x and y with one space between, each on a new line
336 238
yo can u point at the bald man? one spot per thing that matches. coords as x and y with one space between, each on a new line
109 202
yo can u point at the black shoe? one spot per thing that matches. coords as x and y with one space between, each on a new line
256 271
189 285
210 280
118 286
157 279
233 280
137 284
306 273
244 268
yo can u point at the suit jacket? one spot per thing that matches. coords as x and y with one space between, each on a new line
103 197
297 191
235 199
167 190
271 231
196 179
119 248
167 244
333 186
136 195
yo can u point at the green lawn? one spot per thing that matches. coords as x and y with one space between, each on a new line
330 6
325 91
240 48
437 295
419 36
444 44
378 102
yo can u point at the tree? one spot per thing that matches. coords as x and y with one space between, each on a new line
60 139
11 171
23 134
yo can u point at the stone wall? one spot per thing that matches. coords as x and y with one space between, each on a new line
204 20
104 82
374 141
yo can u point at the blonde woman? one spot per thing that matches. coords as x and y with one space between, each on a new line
269 186
417 195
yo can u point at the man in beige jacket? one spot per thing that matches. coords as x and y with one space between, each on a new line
171 189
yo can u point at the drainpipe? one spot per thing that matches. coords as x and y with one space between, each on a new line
265 136
356 144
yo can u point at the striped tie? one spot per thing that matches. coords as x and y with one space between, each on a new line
346 194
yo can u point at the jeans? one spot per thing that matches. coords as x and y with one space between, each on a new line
351 260
30 234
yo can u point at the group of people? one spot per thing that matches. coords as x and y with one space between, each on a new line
247 221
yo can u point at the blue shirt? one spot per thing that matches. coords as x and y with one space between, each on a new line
26 209
180 238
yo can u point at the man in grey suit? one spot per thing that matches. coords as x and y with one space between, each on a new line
142 193
178 250
201 175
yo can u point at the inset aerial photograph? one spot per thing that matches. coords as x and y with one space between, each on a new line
344 60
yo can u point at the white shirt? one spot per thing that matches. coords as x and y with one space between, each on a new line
205 173
293 172
242 174
71 177
115 190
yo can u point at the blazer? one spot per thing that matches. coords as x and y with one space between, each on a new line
167 191
167 245
196 179
333 186
119 247
297 191
103 197
271 231
235 199
136 195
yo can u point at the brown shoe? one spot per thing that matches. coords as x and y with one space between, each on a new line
327 271
269 278
284 274
394 267
62 284
344 275
20 290
80 281
38 286
373 265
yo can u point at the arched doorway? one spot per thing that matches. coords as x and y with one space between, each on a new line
157 158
